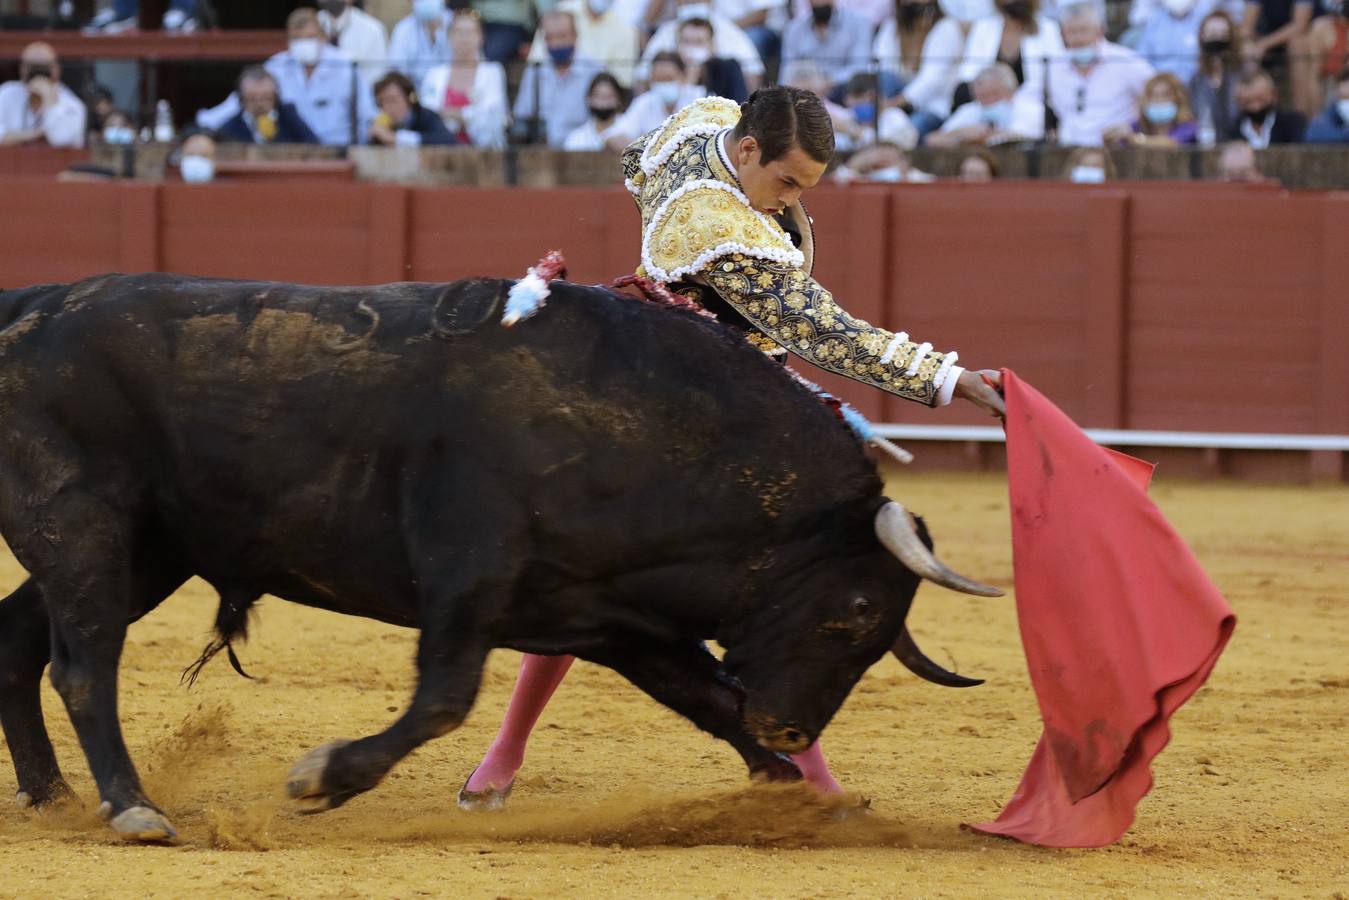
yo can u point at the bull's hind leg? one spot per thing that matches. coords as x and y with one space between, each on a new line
25 649
689 680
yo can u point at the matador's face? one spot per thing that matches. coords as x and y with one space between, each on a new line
774 186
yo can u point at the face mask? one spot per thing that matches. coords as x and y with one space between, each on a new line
1161 113
428 10
334 8
822 14
890 174
603 113
1083 56
996 115
562 56
666 91
305 50
600 7
695 55
1017 9
1342 107
1179 8
1216 47
966 10
911 13
694 11
865 113
1087 175
1260 114
197 169
119 134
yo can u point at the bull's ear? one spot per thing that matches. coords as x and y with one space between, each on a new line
916 661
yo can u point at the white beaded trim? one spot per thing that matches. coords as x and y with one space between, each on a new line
945 369
894 345
923 350
650 161
632 187
790 256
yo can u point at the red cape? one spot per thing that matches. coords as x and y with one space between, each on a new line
1120 626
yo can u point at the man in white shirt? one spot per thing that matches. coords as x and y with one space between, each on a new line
38 107
602 34
997 114
1095 85
729 39
357 32
670 92
421 41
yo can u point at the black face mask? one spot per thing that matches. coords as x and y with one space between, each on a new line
1215 48
1260 114
38 70
910 13
1018 9
603 113
822 14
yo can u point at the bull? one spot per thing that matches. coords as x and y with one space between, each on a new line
611 479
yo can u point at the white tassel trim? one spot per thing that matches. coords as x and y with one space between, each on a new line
788 255
525 298
893 346
923 350
945 369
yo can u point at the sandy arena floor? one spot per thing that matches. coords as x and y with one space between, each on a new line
621 798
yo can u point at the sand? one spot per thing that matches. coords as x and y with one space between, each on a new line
622 798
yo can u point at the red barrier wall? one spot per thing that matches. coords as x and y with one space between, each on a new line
1169 306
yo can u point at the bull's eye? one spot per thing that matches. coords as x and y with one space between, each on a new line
861 606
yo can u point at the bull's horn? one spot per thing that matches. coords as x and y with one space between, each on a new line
916 662
894 527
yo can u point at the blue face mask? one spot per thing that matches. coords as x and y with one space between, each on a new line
1161 113
865 113
996 115
562 56
1083 56
1342 107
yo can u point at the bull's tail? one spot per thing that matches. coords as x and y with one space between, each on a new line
231 624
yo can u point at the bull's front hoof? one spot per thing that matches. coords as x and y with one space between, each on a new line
141 823
490 799
54 795
305 781
23 799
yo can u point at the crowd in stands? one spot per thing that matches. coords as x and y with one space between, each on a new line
894 74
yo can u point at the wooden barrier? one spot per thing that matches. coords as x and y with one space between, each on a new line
1155 306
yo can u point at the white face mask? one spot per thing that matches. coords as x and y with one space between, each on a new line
197 169
306 50
966 10
695 54
1342 107
115 134
1179 8
891 174
1087 175
600 7
428 10
694 11
666 91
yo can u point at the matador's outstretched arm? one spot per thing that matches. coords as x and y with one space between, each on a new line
797 312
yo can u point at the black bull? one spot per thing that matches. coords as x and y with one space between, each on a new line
610 479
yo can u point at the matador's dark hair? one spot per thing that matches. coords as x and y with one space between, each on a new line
781 117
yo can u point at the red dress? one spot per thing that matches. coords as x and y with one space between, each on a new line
456 99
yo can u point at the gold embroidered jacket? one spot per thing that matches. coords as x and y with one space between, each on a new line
699 231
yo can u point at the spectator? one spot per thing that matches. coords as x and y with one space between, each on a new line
866 123
421 40
806 75
1018 36
117 128
760 20
919 51
470 92
978 166
38 107
264 119
1329 49
99 103
196 158
839 41
1262 123
602 34
1332 125
507 27
1277 36
1238 163
1170 38
669 93
359 34
720 77
729 42
1089 165
1164 116
880 161
124 15
1095 84
1213 89
604 102
402 121
556 91
998 114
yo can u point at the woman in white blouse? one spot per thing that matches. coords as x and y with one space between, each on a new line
469 93
1016 35
920 50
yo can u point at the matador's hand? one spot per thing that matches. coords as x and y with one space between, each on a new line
984 389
